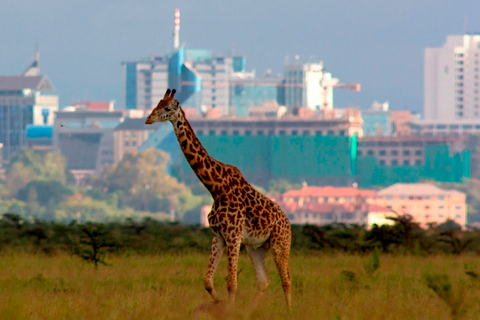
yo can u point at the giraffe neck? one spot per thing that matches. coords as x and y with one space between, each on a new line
197 157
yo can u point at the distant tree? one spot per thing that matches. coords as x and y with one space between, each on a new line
279 186
44 192
406 230
27 166
142 182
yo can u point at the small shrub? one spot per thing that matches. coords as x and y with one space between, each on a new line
373 262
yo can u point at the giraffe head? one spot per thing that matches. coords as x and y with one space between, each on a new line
166 110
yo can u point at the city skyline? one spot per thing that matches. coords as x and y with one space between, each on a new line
381 46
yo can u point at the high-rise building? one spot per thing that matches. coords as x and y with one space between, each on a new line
452 80
376 120
26 99
201 79
308 85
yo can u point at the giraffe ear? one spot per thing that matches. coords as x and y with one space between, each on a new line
173 94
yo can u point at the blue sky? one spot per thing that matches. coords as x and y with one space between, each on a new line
376 43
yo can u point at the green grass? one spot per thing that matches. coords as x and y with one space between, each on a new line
170 287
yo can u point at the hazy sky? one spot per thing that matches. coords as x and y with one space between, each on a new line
377 43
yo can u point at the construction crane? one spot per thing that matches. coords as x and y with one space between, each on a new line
329 84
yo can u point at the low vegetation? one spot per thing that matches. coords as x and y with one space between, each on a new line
170 286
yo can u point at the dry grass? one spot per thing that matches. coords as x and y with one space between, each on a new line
171 287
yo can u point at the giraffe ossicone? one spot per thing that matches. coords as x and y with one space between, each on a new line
240 214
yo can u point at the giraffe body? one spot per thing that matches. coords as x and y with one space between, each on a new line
240 214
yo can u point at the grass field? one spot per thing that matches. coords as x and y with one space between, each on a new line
171 286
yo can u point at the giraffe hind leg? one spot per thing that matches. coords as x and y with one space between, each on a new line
280 242
258 258
215 254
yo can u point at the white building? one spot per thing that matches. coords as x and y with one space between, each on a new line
452 80
308 85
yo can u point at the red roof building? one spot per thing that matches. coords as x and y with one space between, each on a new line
325 205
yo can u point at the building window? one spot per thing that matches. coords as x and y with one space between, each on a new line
441 198
306 132
294 132
394 162
394 153
224 133
382 162
458 207
370 152
359 152
406 152
211 132
418 162
342 132
259 133
389 197
248 132
127 143
440 216
330 132
281 132
440 207
458 216
318 133
406 162
134 143
382 152
236 132
418 152
200 132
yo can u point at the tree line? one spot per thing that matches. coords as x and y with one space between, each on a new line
149 236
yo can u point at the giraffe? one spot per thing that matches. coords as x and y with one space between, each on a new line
240 214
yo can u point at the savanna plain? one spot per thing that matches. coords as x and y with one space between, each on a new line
170 286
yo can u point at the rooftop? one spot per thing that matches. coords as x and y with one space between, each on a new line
329 192
18 83
423 189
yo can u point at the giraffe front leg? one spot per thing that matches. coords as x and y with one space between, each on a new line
233 251
216 253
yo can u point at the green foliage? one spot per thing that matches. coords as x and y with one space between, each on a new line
140 181
27 166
